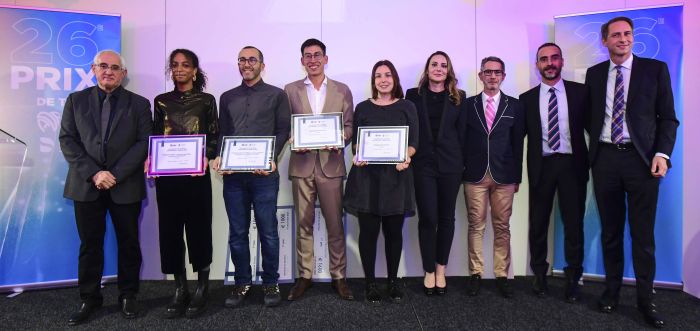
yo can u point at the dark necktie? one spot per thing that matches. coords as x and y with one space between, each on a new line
618 115
106 111
553 120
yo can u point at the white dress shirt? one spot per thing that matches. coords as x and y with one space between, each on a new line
610 100
563 115
317 98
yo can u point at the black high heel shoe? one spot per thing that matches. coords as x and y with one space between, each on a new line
429 291
440 290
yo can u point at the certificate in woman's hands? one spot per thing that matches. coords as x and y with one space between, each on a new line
382 144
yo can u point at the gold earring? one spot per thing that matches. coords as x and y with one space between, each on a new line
194 78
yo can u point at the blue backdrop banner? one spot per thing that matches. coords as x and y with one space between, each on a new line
658 34
44 56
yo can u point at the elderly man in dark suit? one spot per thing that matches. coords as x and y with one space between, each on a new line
104 138
557 161
493 162
632 132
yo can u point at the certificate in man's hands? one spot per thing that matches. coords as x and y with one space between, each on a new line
317 131
382 144
247 154
176 155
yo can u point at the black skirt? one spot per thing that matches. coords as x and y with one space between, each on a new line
379 189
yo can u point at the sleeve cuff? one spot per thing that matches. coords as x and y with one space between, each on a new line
662 155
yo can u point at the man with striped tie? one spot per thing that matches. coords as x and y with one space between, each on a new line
493 162
632 132
557 161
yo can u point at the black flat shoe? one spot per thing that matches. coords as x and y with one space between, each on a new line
129 308
608 302
474 285
83 314
651 315
429 291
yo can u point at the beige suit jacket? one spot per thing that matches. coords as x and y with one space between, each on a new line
338 100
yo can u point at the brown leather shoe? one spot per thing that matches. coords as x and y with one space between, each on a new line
300 286
341 286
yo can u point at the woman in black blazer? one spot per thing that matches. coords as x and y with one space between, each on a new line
438 164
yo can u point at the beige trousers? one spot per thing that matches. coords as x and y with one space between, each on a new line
478 197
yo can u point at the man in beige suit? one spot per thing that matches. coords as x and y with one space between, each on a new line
319 173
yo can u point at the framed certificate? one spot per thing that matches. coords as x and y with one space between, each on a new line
246 154
382 144
176 155
317 131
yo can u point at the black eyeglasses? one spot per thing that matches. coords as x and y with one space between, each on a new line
314 56
489 72
105 66
252 60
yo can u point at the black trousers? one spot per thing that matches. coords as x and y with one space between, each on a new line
436 197
184 207
392 227
90 218
557 176
624 186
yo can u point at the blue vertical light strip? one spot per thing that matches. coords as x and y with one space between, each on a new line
45 55
658 34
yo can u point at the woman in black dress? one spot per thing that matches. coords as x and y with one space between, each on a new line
438 164
381 195
184 202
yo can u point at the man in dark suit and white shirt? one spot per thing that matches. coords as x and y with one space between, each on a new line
104 138
557 161
493 162
632 132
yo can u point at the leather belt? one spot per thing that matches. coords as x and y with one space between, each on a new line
620 147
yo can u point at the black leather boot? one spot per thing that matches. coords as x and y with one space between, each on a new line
199 300
177 306
394 290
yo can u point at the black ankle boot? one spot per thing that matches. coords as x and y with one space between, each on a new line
199 300
395 292
372 295
177 306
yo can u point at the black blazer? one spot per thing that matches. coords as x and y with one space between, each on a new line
446 151
128 145
577 102
650 115
501 149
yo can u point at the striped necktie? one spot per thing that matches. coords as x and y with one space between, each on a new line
618 114
490 113
553 120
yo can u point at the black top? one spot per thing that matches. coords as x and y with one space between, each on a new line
439 154
380 189
258 110
435 102
184 113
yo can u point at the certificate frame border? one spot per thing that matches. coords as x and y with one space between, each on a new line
339 127
199 170
377 128
224 158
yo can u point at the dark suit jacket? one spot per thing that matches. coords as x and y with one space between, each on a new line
338 100
650 115
80 140
447 149
501 150
577 102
